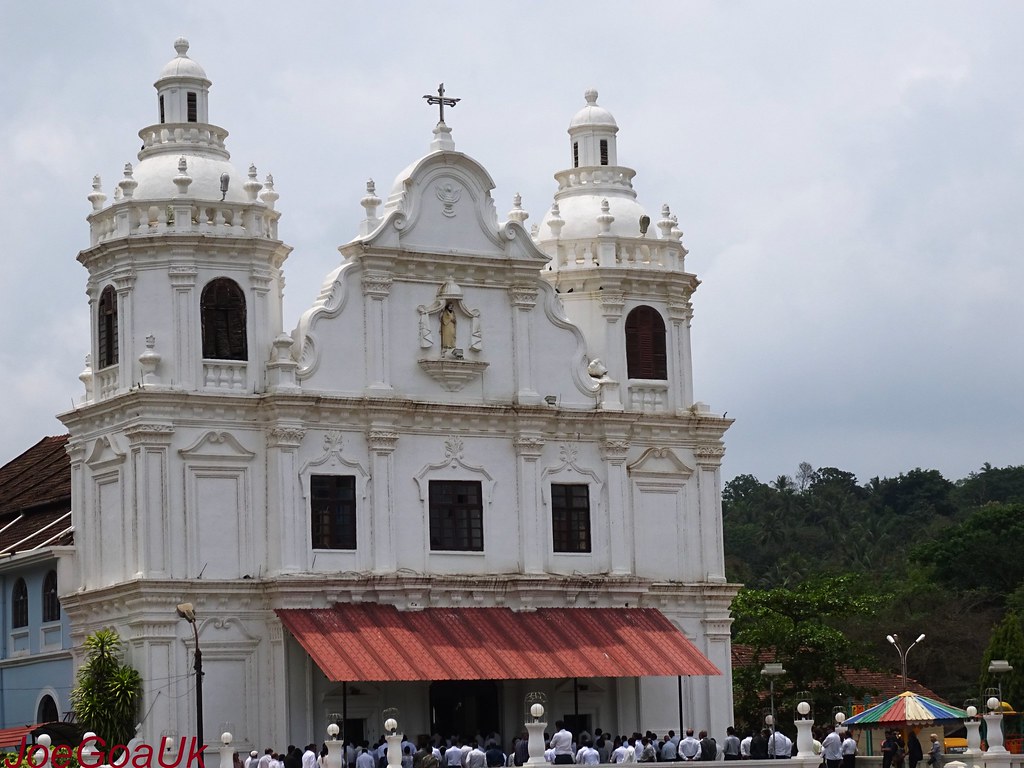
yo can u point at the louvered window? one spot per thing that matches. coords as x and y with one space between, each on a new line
456 516
575 155
604 151
51 605
193 115
645 345
106 330
570 517
19 604
223 320
162 118
333 504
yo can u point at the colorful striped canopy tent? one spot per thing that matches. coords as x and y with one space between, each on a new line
906 709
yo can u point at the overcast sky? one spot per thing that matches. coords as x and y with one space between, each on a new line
849 178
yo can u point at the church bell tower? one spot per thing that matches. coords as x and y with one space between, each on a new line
621 274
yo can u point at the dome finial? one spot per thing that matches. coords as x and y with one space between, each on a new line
591 96
181 46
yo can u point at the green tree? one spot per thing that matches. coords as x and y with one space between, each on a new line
107 692
799 626
1006 642
981 553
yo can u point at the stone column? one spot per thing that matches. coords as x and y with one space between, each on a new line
124 280
612 305
709 467
287 542
532 539
382 441
260 336
149 503
81 516
681 375
620 508
524 298
376 291
184 373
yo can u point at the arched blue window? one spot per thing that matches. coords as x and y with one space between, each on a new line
19 604
51 605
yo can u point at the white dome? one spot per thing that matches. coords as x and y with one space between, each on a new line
580 212
181 65
155 177
592 115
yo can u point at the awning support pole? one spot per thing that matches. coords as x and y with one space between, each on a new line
576 696
344 715
679 681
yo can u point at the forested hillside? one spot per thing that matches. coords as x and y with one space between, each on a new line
832 566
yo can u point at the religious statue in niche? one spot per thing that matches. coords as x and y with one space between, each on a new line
448 306
448 323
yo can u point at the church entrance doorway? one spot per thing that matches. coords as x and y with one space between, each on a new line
464 707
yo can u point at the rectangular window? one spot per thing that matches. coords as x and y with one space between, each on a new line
193 114
456 516
333 504
162 117
575 155
570 517
604 151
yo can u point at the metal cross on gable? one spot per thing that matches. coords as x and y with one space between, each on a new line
441 100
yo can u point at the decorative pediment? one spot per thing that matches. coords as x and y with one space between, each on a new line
217 445
568 470
660 463
104 453
454 466
333 462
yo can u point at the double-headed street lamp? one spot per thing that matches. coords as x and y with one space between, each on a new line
188 613
894 640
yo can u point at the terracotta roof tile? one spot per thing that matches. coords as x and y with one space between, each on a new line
35 497
880 685
378 642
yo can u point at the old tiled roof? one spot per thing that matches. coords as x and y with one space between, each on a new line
369 641
879 685
35 498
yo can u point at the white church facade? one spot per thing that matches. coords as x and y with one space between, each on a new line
474 470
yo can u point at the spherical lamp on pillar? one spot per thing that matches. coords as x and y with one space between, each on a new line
535 704
840 718
804 739
994 727
393 738
227 752
973 726
335 749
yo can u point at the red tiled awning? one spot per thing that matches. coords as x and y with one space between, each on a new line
11 737
371 642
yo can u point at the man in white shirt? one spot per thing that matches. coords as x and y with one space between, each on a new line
588 755
264 761
309 756
252 760
689 747
745 746
475 758
832 750
365 758
453 756
780 746
849 751
561 743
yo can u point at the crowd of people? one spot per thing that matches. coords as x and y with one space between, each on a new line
837 749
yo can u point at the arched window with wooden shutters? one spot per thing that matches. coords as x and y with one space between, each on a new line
645 344
222 307
19 604
106 329
51 603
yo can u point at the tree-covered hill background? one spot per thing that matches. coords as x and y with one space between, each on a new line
831 566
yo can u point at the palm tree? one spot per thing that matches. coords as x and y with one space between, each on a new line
107 692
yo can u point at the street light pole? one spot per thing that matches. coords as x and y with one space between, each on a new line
894 641
187 612
772 670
